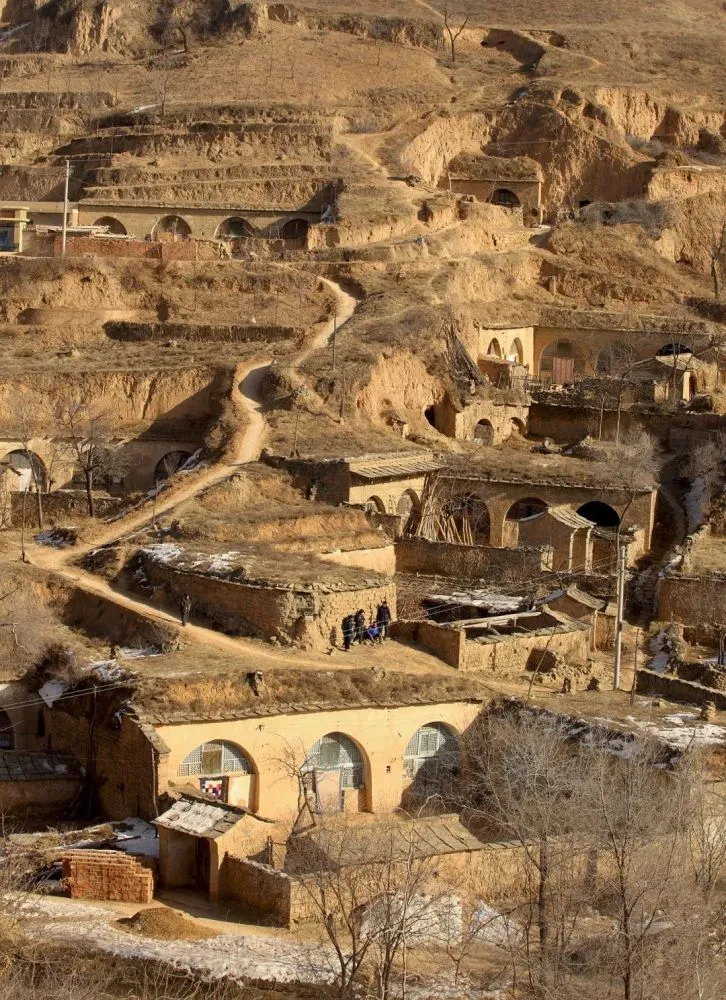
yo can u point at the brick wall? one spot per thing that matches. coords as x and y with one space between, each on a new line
417 555
107 875
51 245
259 886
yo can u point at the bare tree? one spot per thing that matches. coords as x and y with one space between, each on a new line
371 893
452 31
717 257
88 437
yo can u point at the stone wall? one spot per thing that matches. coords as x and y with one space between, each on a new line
418 555
505 657
38 798
109 875
310 617
677 689
51 245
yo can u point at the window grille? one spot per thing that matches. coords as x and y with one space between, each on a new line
216 757
334 752
434 748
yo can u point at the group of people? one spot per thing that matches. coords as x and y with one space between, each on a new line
355 629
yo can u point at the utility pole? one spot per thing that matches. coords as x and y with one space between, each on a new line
623 542
65 209
335 336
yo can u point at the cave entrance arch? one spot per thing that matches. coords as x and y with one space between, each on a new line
295 229
169 464
505 198
601 514
172 228
484 433
28 471
114 226
235 228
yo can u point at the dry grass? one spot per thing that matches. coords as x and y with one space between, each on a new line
201 694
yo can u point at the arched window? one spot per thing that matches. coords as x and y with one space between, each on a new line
28 470
215 758
235 228
431 757
172 227
169 464
505 198
526 507
295 229
495 348
601 514
113 225
516 352
332 765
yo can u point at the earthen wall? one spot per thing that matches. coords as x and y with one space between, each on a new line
418 555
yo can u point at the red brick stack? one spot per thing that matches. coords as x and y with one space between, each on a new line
107 875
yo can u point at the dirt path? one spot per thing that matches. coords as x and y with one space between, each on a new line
245 447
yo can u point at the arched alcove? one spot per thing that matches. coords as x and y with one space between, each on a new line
601 514
527 507
505 198
484 433
172 227
113 225
235 228
27 471
169 464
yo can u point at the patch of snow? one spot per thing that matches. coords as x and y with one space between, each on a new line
164 553
135 836
684 736
108 671
133 653
51 691
492 927
663 652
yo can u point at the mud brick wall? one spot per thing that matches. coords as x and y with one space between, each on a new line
417 555
107 875
311 618
677 689
510 655
122 762
695 601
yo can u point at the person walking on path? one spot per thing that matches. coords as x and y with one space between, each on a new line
348 631
185 608
360 625
383 619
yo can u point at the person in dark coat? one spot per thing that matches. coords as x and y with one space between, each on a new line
185 608
360 625
383 619
348 629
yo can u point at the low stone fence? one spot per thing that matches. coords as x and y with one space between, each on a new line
135 332
678 689
418 555
107 875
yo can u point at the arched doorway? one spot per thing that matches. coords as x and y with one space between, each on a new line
223 771
484 433
517 428
172 228
431 759
28 471
616 359
525 508
295 229
114 226
601 514
430 414
505 198
167 466
235 228
561 362
334 770
494 350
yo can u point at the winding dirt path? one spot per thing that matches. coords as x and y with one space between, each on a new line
244 447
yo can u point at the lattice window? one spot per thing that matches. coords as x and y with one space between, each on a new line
213 758
337 752
432 745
